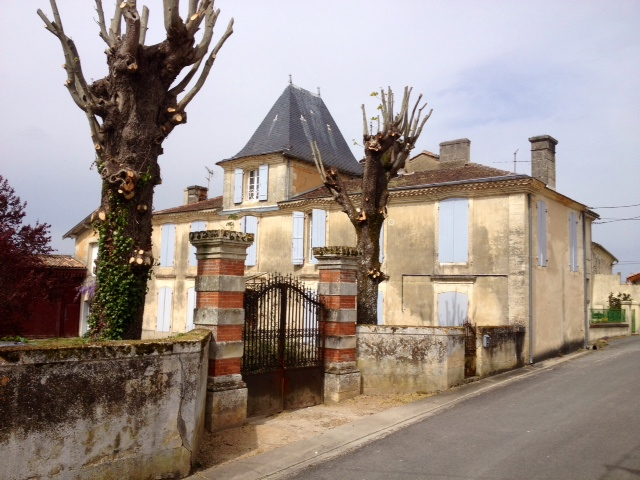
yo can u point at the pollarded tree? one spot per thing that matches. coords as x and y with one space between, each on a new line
385 153
130 112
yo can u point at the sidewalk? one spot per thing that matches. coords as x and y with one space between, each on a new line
298 455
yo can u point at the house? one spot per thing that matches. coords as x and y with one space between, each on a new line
463 242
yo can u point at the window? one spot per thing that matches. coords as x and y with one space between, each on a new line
93 256
168 245
197 226
250 225
191 305
453 309
454 231
542 234
257 184
317 234
165 305
573 242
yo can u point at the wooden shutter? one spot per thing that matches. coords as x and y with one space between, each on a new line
191 305
197 226
542 233
453 245
263 182
380 319
381 244
168 245
238 184
250 225
319 231
297 247
453 309
573 242
165 305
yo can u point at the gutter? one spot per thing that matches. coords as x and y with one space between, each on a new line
530 279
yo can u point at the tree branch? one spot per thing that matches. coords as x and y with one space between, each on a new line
171 14
114 30
143 24
102 23
194 20
193 7
211 18
207 68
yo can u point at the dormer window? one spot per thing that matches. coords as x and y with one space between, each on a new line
252 184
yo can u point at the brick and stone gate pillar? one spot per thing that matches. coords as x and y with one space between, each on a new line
220 286
337 290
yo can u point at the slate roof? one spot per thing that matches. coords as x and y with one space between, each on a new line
209 204
470 171
296 119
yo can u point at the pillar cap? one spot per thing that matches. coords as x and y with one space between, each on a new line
221 235
320 252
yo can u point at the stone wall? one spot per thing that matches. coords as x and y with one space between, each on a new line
505 351
131 410
403 359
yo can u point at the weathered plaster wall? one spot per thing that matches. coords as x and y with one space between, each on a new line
603 285
395 359
602 330
506 349
131 410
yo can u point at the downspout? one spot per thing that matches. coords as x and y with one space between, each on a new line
587 296
530 280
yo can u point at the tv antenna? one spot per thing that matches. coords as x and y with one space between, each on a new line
515 160
210 175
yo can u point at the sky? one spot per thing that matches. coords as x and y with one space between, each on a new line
495 72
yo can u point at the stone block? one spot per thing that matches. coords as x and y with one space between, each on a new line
341 386
226 406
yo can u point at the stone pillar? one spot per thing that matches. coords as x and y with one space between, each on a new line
337 290
220 286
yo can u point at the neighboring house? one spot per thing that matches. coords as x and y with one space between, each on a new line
634 279
58 315
602 260
462 241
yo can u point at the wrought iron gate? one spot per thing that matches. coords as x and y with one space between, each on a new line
283 346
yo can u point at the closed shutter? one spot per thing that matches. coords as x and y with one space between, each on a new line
380 319
237 186
453 309
168 245
453 246
197 226
381 244
165 305
263 182
297 247
191 305
250 225
542 233
319 231
573 242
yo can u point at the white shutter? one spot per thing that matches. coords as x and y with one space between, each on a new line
168 245
453 309
542 233
319 231
380 308
197 226
297 247
165 304
238 184
573 242
381 244
191 305
263 182
250 225
453 227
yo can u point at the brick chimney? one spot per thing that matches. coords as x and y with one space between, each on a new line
195 194
543 159
458 151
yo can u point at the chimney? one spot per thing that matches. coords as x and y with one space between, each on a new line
195 194
543 159
458 151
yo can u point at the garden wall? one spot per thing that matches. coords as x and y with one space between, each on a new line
504 352
402 359
131 410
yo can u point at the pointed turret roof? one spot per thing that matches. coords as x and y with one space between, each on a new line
296 119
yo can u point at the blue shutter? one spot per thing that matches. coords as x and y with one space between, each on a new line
573 242
380 319
453 245
238 184
250 225
191 305
453 309
165 304
263 182
197 226
297 247
168 245
542 233
381 246
319 231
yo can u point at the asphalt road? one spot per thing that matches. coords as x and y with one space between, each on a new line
578 420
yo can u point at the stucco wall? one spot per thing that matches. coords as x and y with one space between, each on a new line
131 410
395 359
506 349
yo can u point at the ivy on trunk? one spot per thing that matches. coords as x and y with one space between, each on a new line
385 153
130 112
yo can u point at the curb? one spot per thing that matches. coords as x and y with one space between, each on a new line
292 458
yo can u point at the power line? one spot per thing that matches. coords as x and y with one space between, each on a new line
619 206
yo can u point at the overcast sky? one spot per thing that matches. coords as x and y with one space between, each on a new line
496 72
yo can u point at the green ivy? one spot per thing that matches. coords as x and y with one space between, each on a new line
120 289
